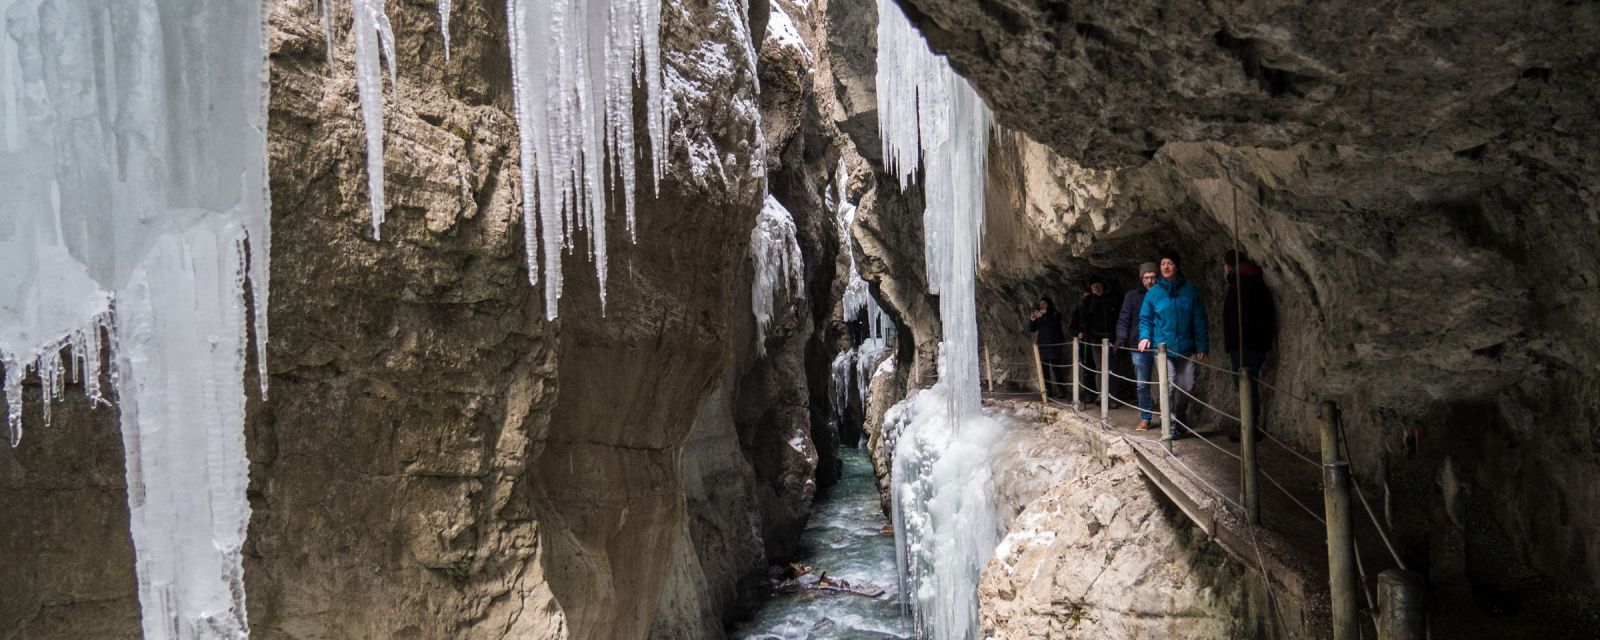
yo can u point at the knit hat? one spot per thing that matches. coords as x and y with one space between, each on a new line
1096 279
1149 267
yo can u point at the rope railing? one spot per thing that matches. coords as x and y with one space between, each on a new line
1206 404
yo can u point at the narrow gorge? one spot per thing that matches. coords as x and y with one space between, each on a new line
705 319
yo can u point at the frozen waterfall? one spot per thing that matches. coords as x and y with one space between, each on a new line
133 209
778 266
945 526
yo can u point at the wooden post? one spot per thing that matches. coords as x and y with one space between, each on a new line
1250 481
988 368
1402 610
1341 546
1038 370
1164 387
1077 374
1105 379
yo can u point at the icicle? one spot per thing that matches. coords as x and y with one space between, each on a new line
574 65
325 14
943 496
779 267
142 250
372 34
444 25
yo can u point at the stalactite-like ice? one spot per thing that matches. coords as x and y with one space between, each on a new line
444 26
133 208
778 266
943 496
574 65
372 33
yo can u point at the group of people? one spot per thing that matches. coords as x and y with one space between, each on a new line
1165 309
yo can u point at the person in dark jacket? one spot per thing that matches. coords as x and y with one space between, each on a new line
1045 323
1173 315
1247 307
1094 320
1128 335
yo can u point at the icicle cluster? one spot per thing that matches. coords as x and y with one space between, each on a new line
574 65
945 525
778 266
926 111
133 208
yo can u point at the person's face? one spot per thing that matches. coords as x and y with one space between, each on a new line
1040 306
1168 268
1227 269
1148 279
1097 289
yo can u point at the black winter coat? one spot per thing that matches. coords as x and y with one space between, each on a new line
1096 318
1260 318
1047 330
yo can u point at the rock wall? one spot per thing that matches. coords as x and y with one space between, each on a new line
1093 552
436 459
1416 181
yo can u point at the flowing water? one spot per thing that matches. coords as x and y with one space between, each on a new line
846 539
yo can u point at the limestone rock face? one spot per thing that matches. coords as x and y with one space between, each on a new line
1416 182
1091 552
436 459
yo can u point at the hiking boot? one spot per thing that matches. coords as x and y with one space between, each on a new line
1144 425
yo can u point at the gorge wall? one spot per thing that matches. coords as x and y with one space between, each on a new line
1417 183
436 458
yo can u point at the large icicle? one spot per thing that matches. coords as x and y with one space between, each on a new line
372 33
943 495
574 65
444 26
133 207
779 266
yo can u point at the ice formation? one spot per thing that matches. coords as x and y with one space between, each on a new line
943 496
372 33
574 65
779 267
444 26
133 209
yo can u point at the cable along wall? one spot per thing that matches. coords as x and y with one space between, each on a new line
133 211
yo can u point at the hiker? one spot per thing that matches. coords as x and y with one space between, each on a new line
1173 315
1247 305
1094 320
1045 323
1128 334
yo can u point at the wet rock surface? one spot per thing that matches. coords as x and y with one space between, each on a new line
1417 184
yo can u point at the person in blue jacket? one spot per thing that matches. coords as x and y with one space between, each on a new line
1173 315
1144 362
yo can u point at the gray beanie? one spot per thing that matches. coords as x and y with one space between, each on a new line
1149 267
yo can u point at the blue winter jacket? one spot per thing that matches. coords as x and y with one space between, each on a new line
1173 315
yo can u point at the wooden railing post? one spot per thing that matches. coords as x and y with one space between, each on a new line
1077 374
1402 611
1165 387
1105 379
1038 370
1341 547
1250 481
988 368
